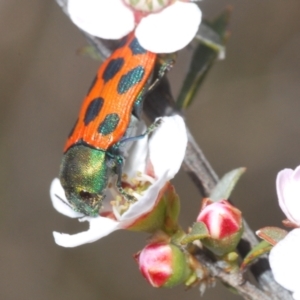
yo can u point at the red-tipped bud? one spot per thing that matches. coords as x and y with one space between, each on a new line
224 223
163 265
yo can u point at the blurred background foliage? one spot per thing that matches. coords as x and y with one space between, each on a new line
246 114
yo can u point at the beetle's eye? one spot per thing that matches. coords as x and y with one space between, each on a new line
86 196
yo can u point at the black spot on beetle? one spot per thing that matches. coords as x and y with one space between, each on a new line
113 67
93 110
128 80
136 48
109 124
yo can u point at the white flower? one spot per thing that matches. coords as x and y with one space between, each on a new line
166 27
285 262
284 257
161 155
288 191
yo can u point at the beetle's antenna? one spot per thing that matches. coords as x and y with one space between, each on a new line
62 200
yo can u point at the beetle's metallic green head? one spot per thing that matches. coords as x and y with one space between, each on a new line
84 176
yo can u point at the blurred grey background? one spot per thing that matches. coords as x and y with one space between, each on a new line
247 114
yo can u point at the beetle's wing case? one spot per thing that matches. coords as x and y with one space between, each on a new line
106 110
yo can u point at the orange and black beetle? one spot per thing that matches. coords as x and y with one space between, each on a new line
92 152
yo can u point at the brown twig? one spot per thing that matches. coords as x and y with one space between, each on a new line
246 289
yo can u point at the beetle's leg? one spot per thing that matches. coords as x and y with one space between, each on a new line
165 65
119 160
138 104
151 128
119 166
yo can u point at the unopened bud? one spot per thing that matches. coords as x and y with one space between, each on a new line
224 223
163 265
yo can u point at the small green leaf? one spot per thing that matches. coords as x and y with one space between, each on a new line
211 37
271 235
220 24
260 249
198 232
201 63
172 206
225 186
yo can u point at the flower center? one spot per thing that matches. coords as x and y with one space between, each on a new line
136 187
148 6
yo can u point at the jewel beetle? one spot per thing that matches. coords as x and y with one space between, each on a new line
93 149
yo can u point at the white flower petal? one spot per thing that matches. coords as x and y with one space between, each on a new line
102 226
99 227
145 203
105 19
171 29
288 191
167 146
283 179
285 261
296 295
60 202
136 161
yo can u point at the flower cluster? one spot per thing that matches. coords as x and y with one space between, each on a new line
160 26
166 26
151 205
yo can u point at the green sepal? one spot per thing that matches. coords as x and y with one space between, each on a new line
225 186
212 37
221 247
180 266
198 232
163 217
228 262
172 210
272 235
260 249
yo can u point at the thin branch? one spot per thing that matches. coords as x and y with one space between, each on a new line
235 280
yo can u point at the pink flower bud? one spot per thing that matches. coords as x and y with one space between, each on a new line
224 223
163 264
